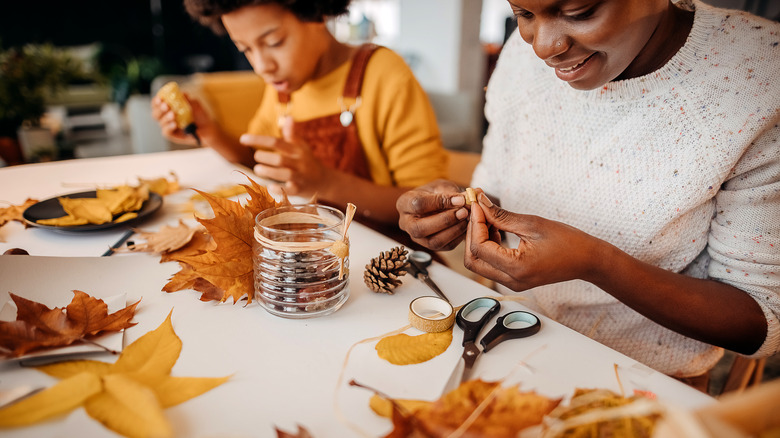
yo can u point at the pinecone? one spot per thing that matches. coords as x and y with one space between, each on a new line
382 273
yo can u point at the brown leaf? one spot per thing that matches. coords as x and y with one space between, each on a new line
37 326
504 412
165 240
14 212
225 263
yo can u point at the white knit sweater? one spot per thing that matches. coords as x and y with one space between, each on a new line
679 168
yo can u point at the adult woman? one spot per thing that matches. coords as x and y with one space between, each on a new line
350 124
647 169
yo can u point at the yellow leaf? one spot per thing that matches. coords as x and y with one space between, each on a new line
126 217
384 407
61 398
65 369
403 349
91 209
64 221
129 408
155 352
174 390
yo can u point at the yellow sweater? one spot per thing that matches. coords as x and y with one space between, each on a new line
395 120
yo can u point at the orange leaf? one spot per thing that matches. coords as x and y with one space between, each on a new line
14 212
221 268
38 326
485 409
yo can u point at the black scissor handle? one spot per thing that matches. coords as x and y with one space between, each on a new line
471 327
503 329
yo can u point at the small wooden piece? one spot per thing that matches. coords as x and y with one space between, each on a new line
471 196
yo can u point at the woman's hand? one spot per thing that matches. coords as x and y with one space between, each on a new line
434 215
290 161
166 118
549 251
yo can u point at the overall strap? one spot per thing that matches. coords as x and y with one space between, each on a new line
356 73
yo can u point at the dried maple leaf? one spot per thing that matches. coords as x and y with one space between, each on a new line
485 409
227 266
14 212
165 240
37 326
127 396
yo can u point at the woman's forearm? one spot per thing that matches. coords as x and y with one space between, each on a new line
706 310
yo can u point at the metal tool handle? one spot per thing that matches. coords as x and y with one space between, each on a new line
471 327
504 330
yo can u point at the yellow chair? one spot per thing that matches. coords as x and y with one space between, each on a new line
232 98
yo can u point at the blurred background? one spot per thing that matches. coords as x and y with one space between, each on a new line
76 76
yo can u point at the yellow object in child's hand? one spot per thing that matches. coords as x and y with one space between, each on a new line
171 94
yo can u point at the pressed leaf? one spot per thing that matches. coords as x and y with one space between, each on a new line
68 368
91 209
222 192
129 408
61 398
167 239
402 349
171 391
155 352
162 186
37 326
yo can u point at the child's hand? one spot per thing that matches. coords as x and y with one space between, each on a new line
289 160
166 118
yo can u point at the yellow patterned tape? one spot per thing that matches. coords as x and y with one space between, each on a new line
431 314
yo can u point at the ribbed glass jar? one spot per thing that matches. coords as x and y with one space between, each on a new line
295 274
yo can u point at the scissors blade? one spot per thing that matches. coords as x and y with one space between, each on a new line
462 370
427 280
419 271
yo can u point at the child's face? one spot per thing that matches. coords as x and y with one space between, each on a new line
590 42
283 50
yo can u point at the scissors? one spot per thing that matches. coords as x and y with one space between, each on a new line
418 263
472 318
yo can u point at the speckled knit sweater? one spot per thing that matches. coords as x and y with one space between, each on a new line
679 168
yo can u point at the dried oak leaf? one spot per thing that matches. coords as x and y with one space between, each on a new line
14 212
165 240
504 412
227 266
37 326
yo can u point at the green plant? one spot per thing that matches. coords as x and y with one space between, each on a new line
27 76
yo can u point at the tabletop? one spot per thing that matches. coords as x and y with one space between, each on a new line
284 372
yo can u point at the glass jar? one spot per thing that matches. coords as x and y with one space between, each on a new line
295 273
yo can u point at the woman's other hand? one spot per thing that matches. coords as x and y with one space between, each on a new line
289 161
548 252
434 215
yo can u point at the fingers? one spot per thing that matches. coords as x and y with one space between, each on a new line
479 243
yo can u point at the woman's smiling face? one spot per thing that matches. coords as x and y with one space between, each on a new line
591 42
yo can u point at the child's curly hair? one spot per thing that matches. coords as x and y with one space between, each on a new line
209 12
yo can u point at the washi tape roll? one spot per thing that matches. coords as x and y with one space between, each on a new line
431 314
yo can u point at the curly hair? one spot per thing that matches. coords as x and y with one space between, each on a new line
209 12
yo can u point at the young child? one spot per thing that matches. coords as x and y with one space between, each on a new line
349 124
636 142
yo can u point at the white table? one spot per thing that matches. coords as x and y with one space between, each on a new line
285 372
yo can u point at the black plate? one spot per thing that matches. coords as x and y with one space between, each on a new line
51 208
